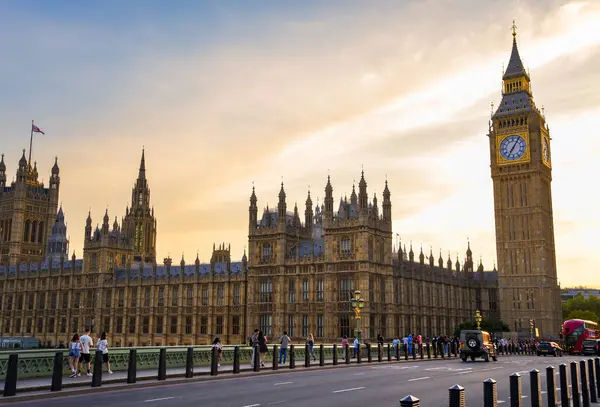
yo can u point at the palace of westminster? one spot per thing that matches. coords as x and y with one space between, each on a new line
298 275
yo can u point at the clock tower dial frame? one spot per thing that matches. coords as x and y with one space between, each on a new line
519 141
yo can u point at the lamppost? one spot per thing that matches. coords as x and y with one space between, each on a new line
478 319
357 303
531 324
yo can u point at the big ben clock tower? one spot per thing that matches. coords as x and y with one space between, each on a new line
521 168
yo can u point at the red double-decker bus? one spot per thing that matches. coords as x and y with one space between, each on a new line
575 331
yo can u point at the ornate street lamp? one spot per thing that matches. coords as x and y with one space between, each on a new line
357 303
531 325
478 319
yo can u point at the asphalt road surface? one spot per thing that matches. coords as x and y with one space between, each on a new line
364 385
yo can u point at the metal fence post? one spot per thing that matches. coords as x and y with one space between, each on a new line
275 358
575 385
405 351
321 355
189 363
162 364
565 394
306 355
585 390
347 353
57 372
428 351
12 371
592 381
335 354
132 366
414 350
379 352
457 396
535 388
256 361
551 386
292 357
410 401
214 360
421 350
389 352
359 355
516 399
97 372
597 371
490 393
369 355
236 359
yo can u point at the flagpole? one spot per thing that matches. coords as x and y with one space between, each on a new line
30 144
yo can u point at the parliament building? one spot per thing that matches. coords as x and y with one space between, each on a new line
299 274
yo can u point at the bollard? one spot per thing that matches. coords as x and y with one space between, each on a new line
516 396
162 364
597 371
428 352
275 358
335 354
12 371
435 349
421 351
306 356
256 361
575 385
405 351
551 386
214 360
535 388
414 350
347 355
321 355
457 396
585 390
189 363
592 381
292 357
379 352
97 373
236 359
410 401
57 372
441 345
369 356
565 394
490 393
359 355
132 366
389 352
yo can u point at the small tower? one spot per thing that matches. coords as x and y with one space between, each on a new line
105 227
58 244
449 263
2 175
308 215
253 214
387 204
363 200
457 264
328 202
411 254
431 258
281 210
88 227
422 256
441 261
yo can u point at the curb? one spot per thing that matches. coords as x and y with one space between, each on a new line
84 388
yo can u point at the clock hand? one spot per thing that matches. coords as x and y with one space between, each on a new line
513 148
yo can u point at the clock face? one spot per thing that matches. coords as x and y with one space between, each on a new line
545 150
513 147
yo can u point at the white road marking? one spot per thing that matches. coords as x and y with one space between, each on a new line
282 383
252 405
276 402
501 401
340 391
160 399
418 378
524 397
544 392
358 374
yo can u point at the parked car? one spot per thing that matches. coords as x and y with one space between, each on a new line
476 344
591 347
549 348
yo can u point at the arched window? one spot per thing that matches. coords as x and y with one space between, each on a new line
266 251
33 231
26 231
381 251
41 232
370 248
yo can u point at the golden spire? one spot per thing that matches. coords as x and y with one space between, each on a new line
514 29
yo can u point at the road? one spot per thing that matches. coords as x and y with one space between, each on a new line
383 384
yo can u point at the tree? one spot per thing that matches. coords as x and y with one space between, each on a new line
582 314
487 324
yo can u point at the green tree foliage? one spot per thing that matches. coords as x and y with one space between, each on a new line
487 324
576 307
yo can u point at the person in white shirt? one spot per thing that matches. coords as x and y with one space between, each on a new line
86 344
103 346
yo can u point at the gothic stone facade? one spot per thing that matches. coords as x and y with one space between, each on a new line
521 171
302 275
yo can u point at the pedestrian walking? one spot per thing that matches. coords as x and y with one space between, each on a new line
103 347
74 354
311 344
253 343
284 342
262 348
86 344
217 345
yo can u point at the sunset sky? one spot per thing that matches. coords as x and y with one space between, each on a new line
223 94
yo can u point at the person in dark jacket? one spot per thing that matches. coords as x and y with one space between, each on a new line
262 347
